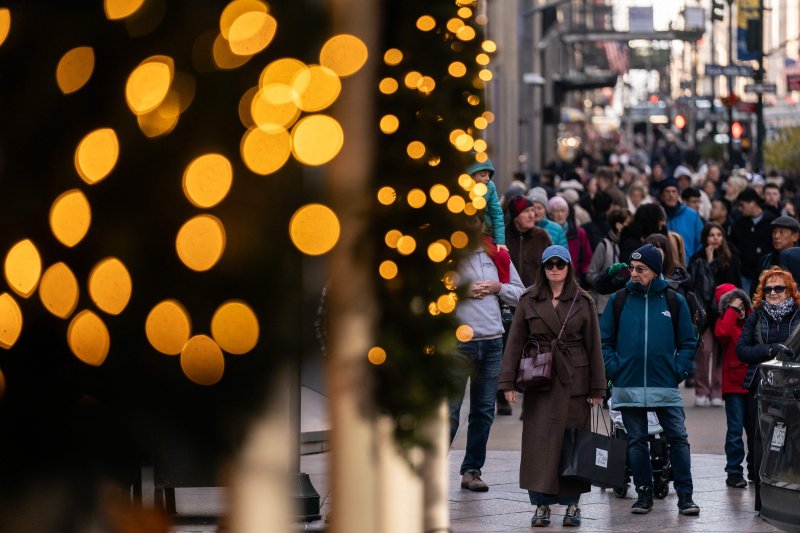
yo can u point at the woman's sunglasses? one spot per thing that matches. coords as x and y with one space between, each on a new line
777 289
560 265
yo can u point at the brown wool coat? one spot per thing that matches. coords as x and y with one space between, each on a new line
578 373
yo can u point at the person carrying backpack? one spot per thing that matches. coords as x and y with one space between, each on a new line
647 354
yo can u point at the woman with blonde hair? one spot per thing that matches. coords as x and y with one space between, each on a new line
776 314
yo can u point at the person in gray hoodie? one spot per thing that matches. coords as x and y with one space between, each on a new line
481 351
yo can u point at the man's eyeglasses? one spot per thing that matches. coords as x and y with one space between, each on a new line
777 289
638 269
560 265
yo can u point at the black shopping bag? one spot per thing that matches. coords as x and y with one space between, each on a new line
593 457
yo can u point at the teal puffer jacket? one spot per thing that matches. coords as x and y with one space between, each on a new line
644 361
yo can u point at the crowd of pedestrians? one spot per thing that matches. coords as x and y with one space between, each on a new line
658 275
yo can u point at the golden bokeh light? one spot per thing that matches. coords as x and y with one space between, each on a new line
416 198
392 237
406 245
316 139
10 321
245 104
59 290
473 99
201 242
314 229
489 116
433 310
207 180
439 194
317 88
426 84
163 119
479 202
88 338
455 134
236 9
5 24
415 149
482 59
464 333
449 280
376 355
457 69
392 57
283 71
251 32
168 327
149 84
464 143
470 209
224 58
70 217
426 23
446 303
411 79
455 24
480 146
464 12
120 9
110 286
455 204
387 195
23 268
466 33
447 246
274 107
434 161
480 189
481 157
466 182
481 123
344 54
389 124
202 360
485 74
437 252
96 155
265 152
74 69
388 269
489 46
388 85
459 239
234 327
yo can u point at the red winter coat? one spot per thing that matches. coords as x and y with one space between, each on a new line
728 329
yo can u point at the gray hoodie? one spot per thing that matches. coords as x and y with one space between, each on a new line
483 315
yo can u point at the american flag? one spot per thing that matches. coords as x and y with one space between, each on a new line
617 55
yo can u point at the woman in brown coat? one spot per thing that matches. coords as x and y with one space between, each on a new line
579 380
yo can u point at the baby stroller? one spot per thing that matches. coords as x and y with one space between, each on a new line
659 455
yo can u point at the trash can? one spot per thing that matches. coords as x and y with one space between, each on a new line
779 423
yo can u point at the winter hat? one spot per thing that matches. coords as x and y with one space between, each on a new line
788 222
538 195
556 201
570 195
555 251
477 166
680 171
667 182
571 184
517 205
722 290
650 256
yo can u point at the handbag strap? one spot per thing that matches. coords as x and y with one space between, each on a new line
566 319
598 415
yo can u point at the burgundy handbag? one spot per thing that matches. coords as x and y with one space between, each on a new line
535 371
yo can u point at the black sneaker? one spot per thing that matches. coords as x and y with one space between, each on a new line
736 480
645 501
686 506
541 517
572 518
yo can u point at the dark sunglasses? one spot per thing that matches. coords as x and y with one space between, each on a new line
777 289
638 268
560 265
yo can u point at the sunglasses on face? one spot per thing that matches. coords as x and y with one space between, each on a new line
560 265
638 269
777 289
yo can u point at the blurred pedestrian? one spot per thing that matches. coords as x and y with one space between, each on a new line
751 234
555 301
577 242
680 219
538 198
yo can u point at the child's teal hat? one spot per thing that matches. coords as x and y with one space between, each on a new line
476 167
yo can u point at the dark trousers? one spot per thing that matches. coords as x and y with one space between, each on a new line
756 445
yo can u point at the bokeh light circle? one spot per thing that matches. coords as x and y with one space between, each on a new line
168 327
234 327
202 360
314 229
316 139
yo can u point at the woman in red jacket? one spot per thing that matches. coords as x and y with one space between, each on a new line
734 306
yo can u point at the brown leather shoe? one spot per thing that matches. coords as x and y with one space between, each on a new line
471 480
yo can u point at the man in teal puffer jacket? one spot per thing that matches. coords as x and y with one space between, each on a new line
646 357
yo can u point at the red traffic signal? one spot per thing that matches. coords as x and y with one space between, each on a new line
680 122
737 130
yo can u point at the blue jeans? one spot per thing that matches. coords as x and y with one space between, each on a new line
540 498
736 414
482 360
673 420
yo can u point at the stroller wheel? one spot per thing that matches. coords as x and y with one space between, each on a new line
661 489
621 492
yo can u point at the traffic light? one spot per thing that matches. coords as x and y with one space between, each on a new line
737 130
680 122
717 10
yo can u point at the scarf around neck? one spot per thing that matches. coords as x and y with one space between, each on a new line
780 309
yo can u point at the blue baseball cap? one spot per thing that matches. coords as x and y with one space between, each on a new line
556 251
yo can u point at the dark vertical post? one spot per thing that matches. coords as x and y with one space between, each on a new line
730 84
758 164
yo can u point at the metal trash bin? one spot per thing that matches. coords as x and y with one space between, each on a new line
779 423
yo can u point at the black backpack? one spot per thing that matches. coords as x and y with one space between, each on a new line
672 302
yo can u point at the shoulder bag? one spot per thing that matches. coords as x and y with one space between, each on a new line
535 371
